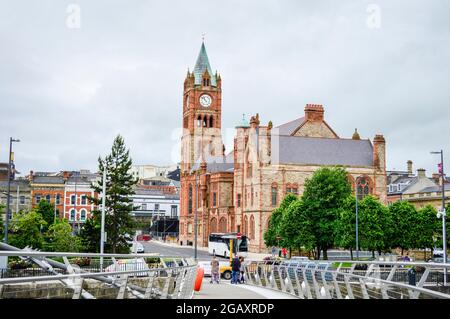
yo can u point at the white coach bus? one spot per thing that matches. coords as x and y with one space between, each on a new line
219 244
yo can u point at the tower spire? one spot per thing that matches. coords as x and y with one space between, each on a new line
202 65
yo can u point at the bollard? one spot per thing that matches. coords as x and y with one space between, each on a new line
412 276
199 279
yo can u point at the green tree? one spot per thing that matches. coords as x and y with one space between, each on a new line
270 235
61 238
295 227
119 188
427 229
404 219
90 236
47 211
26 230
345 228
324 196
374 223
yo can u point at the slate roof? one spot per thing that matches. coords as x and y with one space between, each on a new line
217 164
48 180
201 65
435 189
321 151
289 127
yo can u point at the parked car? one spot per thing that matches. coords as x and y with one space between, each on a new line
225 269
136 247
129 264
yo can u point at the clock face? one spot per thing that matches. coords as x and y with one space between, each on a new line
205 100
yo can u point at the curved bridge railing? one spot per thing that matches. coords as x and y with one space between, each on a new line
108 276
351 280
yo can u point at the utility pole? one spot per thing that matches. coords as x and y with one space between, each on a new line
8 199
102 231
357 240
17 198
196 217
442 213
54 219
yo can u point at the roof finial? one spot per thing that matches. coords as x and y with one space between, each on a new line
203 37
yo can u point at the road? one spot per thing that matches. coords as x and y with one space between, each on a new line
155 247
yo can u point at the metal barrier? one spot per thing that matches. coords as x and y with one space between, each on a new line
343 280
121 276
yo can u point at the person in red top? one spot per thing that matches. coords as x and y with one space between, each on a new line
284 252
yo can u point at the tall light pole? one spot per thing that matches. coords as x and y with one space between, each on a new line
102 230
357 240
442 213
8 199
196 217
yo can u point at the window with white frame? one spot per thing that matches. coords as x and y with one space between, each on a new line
72 215
83 199
58 199
144 206
156 207
83 215
22 200
72 199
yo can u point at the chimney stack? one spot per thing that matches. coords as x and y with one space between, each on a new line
421 173
409 164
437 178
314 112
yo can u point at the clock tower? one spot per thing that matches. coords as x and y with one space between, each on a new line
202 107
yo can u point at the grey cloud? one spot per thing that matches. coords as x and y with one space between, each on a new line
67 93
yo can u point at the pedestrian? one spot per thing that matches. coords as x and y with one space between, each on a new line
242 271
215 270
274 251
284 252
235 269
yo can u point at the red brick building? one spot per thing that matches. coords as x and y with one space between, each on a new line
236 192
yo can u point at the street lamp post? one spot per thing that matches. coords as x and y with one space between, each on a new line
8 199
357 240
196 218
102 223
442 213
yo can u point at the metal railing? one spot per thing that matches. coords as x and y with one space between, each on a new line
343 280
121 276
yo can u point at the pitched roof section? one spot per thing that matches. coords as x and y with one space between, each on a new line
321 151
215 164
201 65
289 127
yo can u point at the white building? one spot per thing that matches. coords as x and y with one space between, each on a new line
151 202
151 171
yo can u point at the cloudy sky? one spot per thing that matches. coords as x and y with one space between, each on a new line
68 86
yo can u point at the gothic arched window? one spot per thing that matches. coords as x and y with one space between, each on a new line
199 121
363 187
274 193
223 225
245 225
211 121
213 225
190 200
252 227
